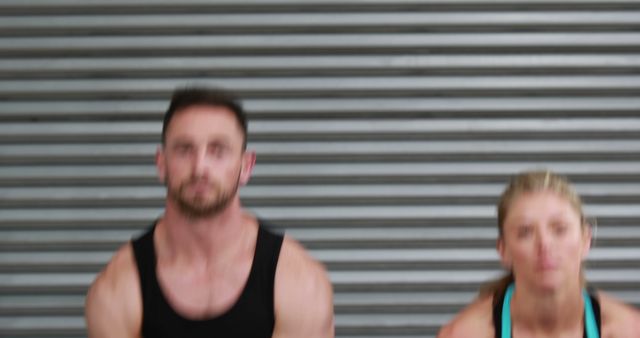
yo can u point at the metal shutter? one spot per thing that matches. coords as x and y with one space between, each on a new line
385 131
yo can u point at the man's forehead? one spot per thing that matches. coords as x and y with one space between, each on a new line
212 116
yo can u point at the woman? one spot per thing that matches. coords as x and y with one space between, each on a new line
543 240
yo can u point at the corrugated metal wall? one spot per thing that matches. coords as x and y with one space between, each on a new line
385 132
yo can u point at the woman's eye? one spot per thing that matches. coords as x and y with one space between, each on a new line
524 231
560 229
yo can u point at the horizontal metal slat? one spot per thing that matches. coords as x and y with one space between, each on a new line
45 282
356 86
342 107
303 64
379 299
300 130
329 213
398 323
38 326
335 259
456 279
86 131
345 302
504 169
310 194
76 282
124 4
12 305
351 302
305 43
394 235
301 152
305 212
328 21
114 151
309 173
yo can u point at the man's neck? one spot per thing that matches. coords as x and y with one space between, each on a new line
207 239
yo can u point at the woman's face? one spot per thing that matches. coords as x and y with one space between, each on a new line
543 241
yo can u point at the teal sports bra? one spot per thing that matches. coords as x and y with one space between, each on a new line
502 315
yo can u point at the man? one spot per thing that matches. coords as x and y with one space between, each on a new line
207 268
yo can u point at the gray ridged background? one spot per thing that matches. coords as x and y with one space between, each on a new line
385 131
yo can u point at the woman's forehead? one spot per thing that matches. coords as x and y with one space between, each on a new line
541 203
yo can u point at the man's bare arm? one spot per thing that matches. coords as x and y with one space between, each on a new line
113 305
474 321
303 295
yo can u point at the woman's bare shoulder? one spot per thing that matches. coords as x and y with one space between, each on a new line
618 319
476 320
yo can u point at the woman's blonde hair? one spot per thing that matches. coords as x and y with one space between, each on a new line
527 182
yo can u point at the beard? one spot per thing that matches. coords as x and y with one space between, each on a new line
194 206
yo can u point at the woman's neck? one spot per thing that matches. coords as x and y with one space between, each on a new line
558 312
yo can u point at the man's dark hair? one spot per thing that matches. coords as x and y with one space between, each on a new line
215 97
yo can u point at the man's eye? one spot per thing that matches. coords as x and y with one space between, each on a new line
217 149
182 148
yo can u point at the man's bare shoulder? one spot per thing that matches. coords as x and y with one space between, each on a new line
475 320
295 262
618 319
302 281
113 303
119 273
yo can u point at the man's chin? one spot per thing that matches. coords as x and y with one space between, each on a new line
197 209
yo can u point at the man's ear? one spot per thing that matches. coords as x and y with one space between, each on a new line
160 164
248 162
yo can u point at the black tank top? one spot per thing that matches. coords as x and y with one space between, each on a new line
251 316
497 312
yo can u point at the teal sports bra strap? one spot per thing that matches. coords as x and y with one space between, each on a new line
506 312
590 325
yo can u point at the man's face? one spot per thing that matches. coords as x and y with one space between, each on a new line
203 162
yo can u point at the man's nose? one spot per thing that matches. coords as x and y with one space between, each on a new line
200 163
